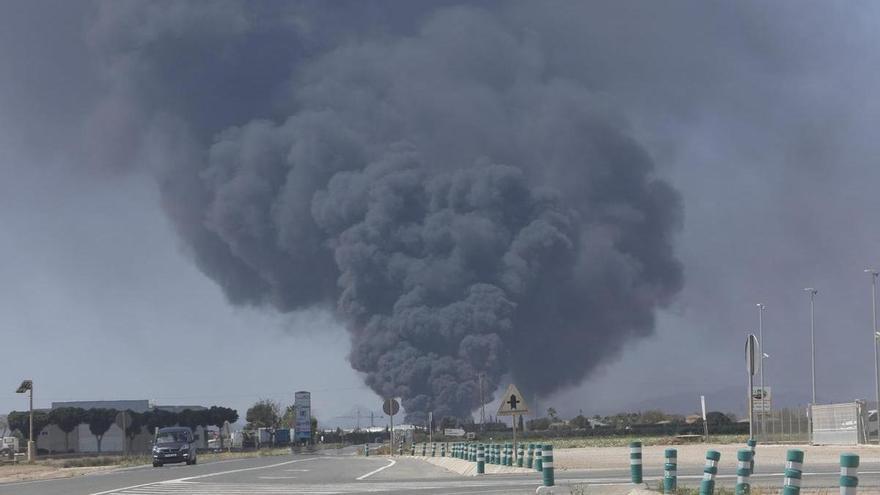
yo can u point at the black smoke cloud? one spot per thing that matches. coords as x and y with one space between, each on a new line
465 206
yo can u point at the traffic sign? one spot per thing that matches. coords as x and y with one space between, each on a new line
123 419
391 407
753 355
512 403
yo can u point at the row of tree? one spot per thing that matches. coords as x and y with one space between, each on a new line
101 419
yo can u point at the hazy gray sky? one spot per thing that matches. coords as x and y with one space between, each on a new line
763 117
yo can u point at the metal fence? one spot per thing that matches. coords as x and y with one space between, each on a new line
790 425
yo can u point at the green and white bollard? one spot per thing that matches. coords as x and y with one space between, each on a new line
481 459
509 448
539 459
670 471
752 443
794 469
412 449
424 448
547 465
400 448
635 462
434 449
531 456
849 474
520 454
504 455
707 486
366 450
743 471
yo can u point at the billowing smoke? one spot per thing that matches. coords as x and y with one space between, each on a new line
465 207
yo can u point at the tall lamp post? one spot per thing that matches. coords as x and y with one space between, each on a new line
874 274
761 308
28 386
813 293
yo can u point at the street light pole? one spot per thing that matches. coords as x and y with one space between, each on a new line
874 274
761 308
813 293
28 386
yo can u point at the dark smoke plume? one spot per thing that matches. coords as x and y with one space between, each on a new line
464 206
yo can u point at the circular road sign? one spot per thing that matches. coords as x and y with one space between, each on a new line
391 407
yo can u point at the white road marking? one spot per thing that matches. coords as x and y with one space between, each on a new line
278 477
297 470
390 463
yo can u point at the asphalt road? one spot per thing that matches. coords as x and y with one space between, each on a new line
347 473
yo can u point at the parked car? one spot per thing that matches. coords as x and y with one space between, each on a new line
174 444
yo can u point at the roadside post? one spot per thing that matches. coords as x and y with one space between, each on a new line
707 486
539 460
531 456
849 474
520 456
743 472
547 465
481 459
670 471
433 450
443 449
424 447
752 443
391 407
794 469
635 462
366 450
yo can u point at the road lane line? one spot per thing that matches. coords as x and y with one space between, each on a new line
390 463
219 473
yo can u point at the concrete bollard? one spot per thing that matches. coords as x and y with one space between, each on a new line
547 465
539 459
635 462
530 456
752 443
366 450
794 469
481 459
707 486
670 471
849 474
520 454
743 471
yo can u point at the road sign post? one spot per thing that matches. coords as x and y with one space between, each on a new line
513 404
391 407
752 349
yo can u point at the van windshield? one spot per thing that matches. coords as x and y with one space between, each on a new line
171 437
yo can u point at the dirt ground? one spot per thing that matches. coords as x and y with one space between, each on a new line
694 455
25 472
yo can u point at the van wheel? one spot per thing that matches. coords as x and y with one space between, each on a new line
157 464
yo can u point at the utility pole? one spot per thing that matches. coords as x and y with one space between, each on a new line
28 386
761 309
813 293
875 337
371 420
359 419
482 405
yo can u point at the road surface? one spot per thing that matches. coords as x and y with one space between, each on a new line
344 473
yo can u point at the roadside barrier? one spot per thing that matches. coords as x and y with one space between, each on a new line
539 459
547 465
849 474
504 455
509 460
366 450
400 448
519 456
635 462
794 469
443 449
670 471
412 449
743 471
531 456
434 449
424 448
707 486
752 443
481 459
